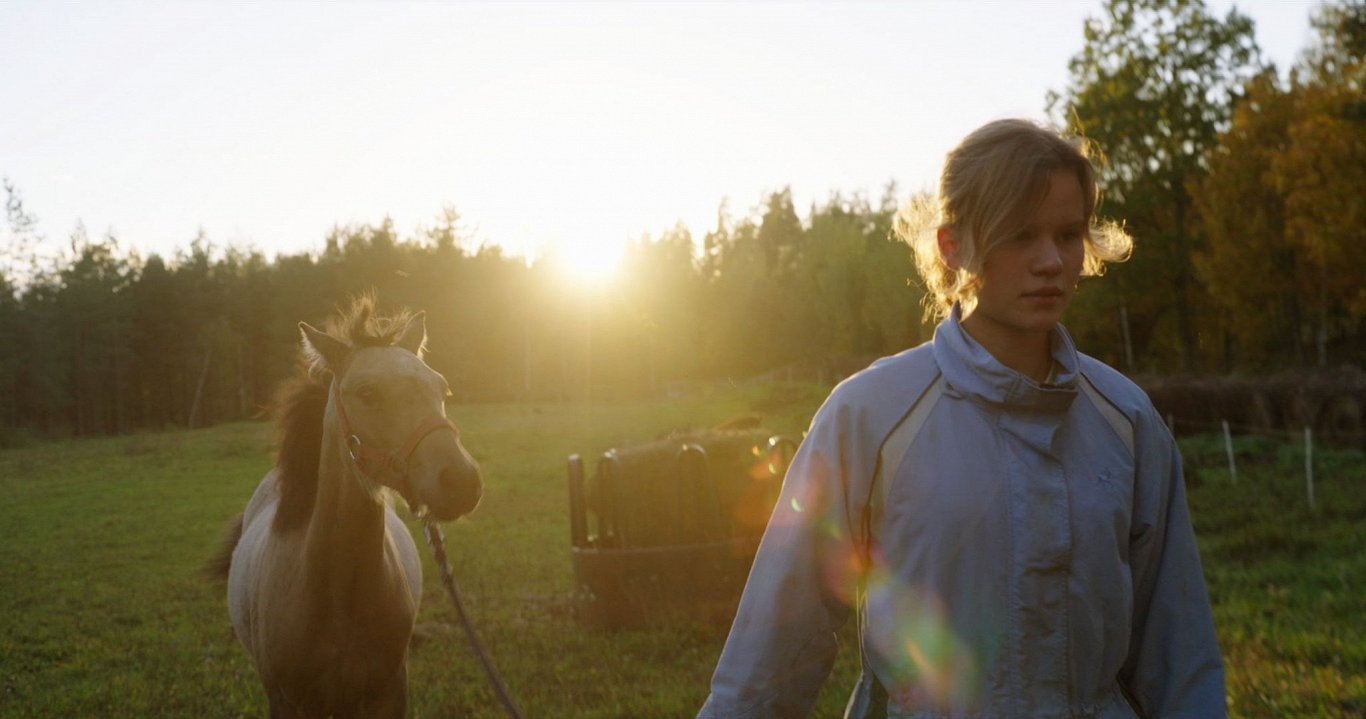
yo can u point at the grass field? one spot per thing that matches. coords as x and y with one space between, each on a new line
103 612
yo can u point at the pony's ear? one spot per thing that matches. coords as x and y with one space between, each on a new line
324 350
414 336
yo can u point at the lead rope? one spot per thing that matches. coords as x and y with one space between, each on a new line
436 540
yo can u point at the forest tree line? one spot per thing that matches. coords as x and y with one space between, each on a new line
1242 185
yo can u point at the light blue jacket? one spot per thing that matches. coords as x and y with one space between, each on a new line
1027 553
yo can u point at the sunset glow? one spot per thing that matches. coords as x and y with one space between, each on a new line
583 124
588 262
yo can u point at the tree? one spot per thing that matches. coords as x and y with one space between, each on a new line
1153 86
893 306
780 233
658 302
737 305
450 232
16 239
1322 171
93 320
1281 204
1335 58
832 278
1248 260
158 335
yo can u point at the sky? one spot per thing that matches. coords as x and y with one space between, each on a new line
561 128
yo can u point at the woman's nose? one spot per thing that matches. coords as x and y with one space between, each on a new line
1047 258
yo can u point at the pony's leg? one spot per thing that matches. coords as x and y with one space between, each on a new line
389 701
281 707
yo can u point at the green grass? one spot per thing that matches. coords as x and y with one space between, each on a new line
1286 581
103 613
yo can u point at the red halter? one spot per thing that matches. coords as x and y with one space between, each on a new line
376 463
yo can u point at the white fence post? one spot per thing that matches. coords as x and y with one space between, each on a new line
1228 449
1309 465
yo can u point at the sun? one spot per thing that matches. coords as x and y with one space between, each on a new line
588 262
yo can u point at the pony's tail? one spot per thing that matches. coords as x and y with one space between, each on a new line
217 567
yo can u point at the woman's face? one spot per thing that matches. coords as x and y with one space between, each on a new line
1028 279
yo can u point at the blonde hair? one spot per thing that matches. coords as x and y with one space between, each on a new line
991 182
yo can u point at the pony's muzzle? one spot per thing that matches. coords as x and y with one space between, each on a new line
460 488
453 490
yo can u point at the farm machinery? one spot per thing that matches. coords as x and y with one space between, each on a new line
671 527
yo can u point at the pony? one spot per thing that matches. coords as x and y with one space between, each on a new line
323 578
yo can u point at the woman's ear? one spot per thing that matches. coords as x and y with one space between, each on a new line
948 247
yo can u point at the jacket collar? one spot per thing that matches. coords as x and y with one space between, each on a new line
972 372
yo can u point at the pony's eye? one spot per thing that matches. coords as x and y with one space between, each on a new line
367 395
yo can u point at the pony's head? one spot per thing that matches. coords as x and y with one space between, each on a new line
389 409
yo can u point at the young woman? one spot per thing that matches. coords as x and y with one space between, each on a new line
1006 515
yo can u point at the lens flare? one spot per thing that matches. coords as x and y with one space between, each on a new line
928 664
844 566
806 496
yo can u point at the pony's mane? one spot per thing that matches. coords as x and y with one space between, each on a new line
359 326
301 403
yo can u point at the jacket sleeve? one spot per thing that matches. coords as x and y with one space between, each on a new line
782 643
1173 668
